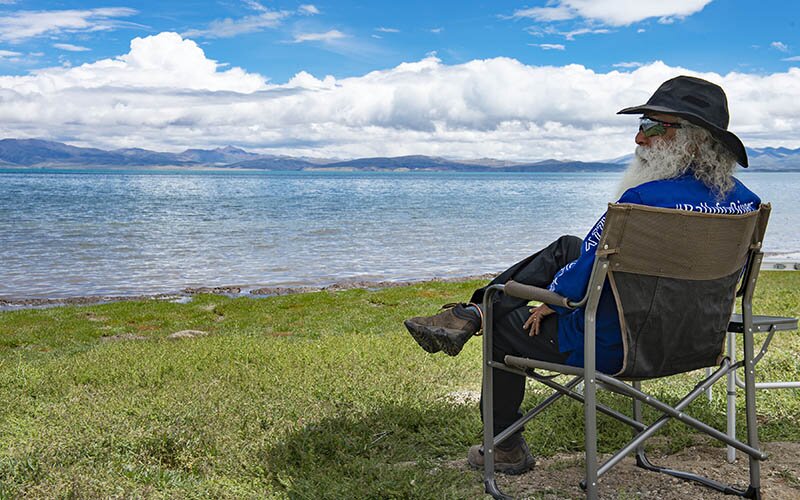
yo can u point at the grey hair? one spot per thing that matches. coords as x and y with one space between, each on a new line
712 163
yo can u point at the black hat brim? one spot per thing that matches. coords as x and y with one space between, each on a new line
727 138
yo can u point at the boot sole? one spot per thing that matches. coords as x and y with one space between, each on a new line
422 336
512 469
437 338
450 340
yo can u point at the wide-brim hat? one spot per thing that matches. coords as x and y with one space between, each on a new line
699 102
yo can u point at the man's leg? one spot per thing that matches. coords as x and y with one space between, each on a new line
511 339
512 456
536 270
449 330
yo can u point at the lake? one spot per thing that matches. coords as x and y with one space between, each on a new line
79 233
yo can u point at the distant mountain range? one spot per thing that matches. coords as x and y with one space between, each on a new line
36 153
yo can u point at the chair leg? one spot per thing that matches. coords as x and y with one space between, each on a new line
731 397
637 415
489 481
750 404
590 419
643 462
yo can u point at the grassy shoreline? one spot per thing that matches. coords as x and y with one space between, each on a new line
316 395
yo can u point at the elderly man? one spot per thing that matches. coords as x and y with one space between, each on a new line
684 159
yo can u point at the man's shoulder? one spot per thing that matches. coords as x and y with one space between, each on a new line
661 188
685 191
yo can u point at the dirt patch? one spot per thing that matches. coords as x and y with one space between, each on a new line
219 290
185 295
558 477
364 284
460 398
186 334
94 317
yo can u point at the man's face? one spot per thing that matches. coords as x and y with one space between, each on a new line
645 140
661 153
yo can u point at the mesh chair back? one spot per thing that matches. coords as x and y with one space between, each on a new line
674 274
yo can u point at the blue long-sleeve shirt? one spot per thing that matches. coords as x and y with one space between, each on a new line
682 193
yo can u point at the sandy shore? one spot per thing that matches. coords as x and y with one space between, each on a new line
185 295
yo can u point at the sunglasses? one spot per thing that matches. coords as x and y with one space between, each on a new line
651 127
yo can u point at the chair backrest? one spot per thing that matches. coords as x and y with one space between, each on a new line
674 274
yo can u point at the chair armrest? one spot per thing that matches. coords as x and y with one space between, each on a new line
529 292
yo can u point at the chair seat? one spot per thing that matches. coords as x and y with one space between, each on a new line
762 323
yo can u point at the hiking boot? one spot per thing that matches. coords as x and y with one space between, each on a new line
516 460
447 331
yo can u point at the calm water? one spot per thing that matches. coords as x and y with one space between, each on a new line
87 233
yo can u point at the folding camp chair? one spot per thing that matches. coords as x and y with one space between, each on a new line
674 276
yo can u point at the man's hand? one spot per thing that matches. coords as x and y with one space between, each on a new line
535 320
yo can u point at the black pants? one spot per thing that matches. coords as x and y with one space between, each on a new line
509 337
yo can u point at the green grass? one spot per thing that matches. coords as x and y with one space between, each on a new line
320 395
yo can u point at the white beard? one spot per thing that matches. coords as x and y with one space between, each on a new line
662 160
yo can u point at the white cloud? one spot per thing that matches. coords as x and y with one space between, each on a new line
791 59
227 28
548 46
628 65
540 31
257 6
780 46
160 61
166 94
613 12
71 48
308 10
546 14
570 35
9 53
24 25
327 36
436 30
387 30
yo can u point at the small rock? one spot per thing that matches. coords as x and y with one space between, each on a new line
186 334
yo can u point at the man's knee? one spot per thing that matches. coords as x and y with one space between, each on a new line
569 246
569 240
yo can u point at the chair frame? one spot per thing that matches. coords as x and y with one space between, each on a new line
592 379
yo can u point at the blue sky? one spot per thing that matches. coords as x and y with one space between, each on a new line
357 37
458 79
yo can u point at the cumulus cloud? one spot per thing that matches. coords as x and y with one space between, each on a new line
613 12
327 36
71 48
165 61
23 25
166 94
